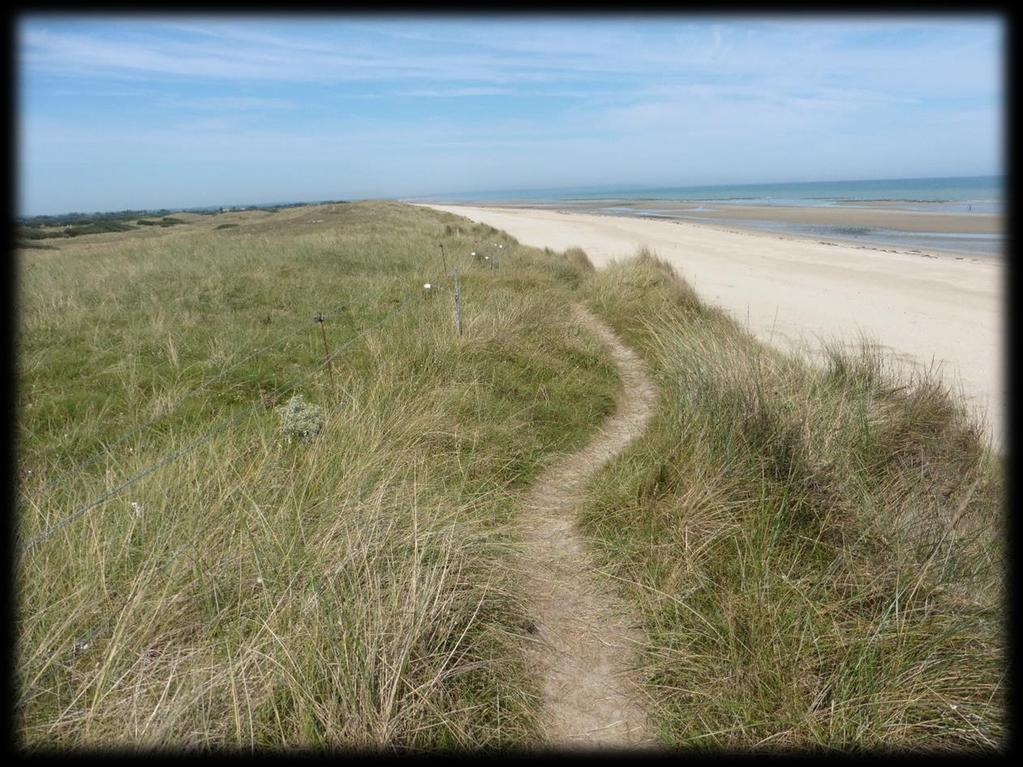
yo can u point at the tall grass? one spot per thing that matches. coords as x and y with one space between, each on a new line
354 591
816 550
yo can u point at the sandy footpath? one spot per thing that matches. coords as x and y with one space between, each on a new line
793 291
586 639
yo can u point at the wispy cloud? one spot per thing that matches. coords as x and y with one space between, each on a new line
455 92
362 102
226 104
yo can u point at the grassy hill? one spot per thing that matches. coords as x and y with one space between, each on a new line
815 550
353 589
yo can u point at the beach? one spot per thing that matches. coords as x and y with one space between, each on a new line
927 308
878 215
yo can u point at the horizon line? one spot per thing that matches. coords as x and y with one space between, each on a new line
422 197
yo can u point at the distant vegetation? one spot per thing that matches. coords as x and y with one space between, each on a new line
126 216
77 224
82 219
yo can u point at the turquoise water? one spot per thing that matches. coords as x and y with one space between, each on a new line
976 194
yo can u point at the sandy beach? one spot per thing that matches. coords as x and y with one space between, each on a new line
854 215
794 292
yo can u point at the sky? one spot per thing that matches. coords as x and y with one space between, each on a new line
179 111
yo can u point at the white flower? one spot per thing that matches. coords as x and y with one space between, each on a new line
259 581
426 285
137 508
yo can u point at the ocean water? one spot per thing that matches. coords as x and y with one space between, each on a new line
976 194
966 195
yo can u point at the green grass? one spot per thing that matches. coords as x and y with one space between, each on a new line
355 591
815 550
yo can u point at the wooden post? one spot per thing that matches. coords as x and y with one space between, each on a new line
443 258
326 351
458 304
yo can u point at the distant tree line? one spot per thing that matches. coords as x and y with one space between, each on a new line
76 224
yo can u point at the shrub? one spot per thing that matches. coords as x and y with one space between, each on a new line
300 419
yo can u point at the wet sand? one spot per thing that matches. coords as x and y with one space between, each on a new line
876 215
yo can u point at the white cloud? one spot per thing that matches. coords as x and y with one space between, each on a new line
627 101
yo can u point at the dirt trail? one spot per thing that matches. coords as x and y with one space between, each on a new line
586 637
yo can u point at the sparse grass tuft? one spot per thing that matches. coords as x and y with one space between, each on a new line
578 257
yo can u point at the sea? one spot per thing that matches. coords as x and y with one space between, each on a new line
960 195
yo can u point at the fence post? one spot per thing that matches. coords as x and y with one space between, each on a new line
458 304
443 258
326 351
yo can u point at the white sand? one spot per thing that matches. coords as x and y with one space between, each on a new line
794 292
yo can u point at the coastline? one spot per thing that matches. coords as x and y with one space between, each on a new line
739 227
877 215
934 308
881 226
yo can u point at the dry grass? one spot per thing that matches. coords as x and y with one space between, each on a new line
816 549
352 592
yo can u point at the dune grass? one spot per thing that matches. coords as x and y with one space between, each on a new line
816 549
350 591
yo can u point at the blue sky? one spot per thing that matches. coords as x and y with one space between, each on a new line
179 111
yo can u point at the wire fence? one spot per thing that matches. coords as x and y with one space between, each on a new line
203 438
83 640
85 463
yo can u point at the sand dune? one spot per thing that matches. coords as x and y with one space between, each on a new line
793 292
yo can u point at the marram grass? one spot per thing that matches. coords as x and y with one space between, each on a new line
350 591
816 549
